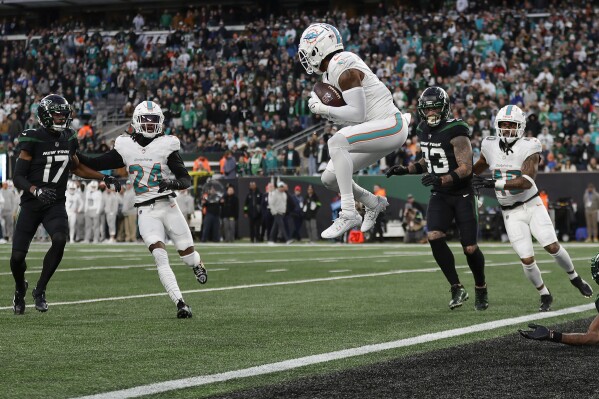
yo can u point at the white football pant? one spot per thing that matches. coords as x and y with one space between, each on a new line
163 217
531 217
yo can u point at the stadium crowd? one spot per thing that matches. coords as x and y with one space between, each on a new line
242 90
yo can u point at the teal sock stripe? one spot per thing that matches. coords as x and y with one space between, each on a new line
377 134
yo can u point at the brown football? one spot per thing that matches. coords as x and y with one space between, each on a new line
329 95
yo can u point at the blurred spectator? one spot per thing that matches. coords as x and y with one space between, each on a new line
211 211
413 225
277 203
311 153
292 160
185 201
311 206
252 210
297 213
229 213
228 165
591 206
201 163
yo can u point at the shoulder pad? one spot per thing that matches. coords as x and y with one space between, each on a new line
29 133
171 142
455 127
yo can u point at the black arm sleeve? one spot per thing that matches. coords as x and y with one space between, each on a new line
20 175
110 160
176 165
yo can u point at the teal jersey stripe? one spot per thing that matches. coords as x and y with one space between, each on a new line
377 134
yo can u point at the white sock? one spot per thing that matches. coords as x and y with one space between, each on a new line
364 196
562 258
167 277
192 259
533 274
344 168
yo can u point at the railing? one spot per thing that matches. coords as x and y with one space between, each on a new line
300 137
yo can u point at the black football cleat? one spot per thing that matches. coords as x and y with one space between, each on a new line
183 311
458 296
18 302
481 298
40 300
546 301
201 273
584 288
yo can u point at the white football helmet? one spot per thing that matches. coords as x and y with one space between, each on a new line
318 41
148 119
71 186
93 185
510 113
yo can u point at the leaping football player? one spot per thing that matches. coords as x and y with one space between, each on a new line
376 125
151 158
514 160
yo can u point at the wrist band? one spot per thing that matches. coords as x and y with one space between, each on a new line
499 184
418 167
454 176
555 336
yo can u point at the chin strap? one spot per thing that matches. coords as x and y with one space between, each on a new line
507 147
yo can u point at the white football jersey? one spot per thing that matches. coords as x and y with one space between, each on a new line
74 202
379 101
507 167
147 165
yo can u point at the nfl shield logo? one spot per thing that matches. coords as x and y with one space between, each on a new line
56 144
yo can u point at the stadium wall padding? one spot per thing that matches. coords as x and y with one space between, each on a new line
557 185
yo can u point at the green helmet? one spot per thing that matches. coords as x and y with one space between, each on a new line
595 268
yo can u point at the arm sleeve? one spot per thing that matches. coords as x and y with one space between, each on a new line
355 110
176 165
20 175
110 160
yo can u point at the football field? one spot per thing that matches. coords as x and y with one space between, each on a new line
269 314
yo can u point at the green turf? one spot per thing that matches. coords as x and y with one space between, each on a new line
240 318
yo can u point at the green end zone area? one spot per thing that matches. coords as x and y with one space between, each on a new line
111 325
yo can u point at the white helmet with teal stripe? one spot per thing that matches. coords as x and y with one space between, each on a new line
148 119
515 129
318 41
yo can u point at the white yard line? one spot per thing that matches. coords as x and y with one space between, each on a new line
239 287
269 368
258 261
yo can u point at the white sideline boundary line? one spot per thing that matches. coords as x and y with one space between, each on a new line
270 368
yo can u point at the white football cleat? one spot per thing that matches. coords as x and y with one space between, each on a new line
345 222
371 214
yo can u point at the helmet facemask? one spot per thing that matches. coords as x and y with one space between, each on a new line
148 125
54 113
509 131
433 115
434 99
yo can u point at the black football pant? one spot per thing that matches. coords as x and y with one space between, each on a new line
55 221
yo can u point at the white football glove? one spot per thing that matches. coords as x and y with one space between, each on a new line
316 106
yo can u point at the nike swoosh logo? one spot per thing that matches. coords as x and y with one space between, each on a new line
24 134
465 195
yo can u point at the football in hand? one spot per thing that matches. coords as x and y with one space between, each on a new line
329 95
